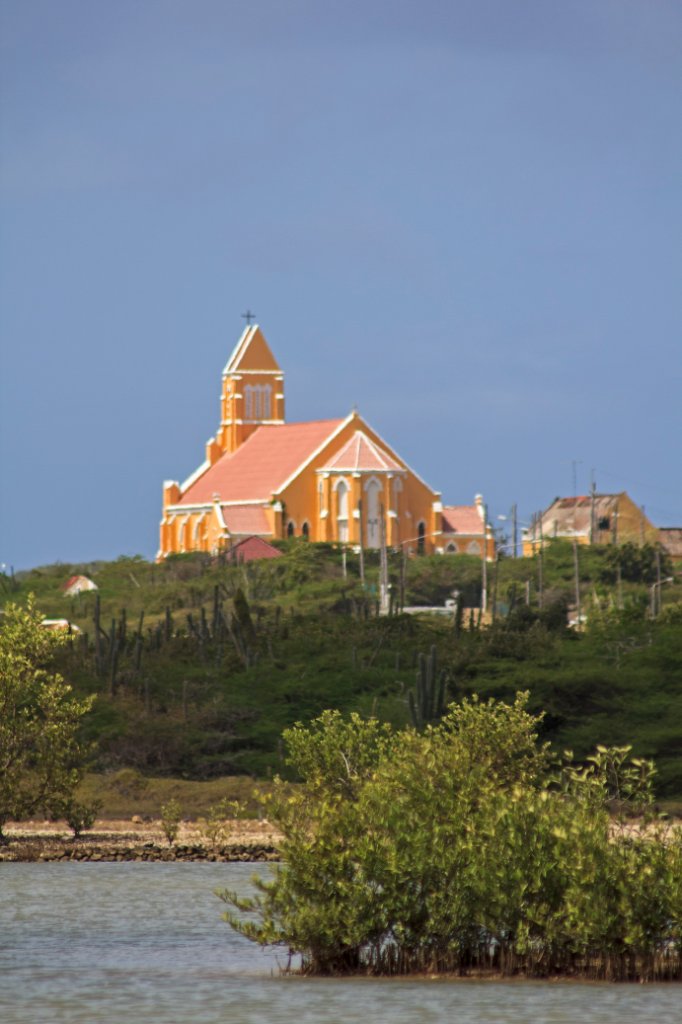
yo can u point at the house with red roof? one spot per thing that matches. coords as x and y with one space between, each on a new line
330 480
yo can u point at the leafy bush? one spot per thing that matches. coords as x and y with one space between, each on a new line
171 816
41 756
463 848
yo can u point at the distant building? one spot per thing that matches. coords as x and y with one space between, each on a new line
60 625
76 585
251 549
591 519
328 480
671 539
466 532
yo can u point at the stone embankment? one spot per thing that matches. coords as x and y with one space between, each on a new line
137 841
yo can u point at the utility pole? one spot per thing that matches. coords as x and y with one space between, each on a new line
497 569
577 583
657 604
593 502
619 585
484 568
362 553
383 572
514 527
541 586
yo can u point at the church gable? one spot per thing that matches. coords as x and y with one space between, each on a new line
361 454
252 354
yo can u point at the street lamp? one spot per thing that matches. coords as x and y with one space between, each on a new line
655 596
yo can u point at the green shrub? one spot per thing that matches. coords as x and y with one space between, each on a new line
171 816
464 848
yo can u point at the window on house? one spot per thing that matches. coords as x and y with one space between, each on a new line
604 523
290 528
248 402
305 531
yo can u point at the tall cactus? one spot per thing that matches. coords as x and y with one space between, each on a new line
427 700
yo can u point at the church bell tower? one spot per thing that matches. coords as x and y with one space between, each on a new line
253 390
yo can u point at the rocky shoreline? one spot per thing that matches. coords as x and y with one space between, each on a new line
141 841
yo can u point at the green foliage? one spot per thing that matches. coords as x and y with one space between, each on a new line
201 699
79 816
171 816
216 826
41 757
638 564
463 848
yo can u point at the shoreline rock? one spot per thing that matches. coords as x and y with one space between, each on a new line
82 851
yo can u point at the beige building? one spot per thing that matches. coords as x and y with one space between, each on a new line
591 519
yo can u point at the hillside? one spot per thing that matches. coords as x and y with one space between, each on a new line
199 665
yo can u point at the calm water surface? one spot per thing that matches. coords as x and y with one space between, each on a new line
143 943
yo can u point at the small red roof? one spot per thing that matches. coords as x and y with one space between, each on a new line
462 519
360 455
246 519
259 467
250 549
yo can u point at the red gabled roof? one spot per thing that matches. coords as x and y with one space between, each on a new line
250 549
262 464
361 455
462 519
246 519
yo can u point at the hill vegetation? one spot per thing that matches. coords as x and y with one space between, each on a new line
199 666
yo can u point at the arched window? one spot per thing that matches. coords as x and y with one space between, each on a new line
290 528
342 511
451 549
248 402
474 548
397 488
265 402
373 504
305 531
421 537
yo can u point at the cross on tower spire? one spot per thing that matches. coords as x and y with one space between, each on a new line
248 316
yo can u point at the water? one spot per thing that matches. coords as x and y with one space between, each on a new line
144 944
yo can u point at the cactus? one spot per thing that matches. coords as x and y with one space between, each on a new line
427 700
98 636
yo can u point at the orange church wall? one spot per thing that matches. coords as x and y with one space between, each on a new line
302 499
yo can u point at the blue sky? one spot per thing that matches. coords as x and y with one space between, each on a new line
463 217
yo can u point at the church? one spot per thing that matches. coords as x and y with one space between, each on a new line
331 480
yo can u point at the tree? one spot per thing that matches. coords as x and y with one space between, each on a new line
467 847
41 756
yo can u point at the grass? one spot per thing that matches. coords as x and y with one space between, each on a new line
126 792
